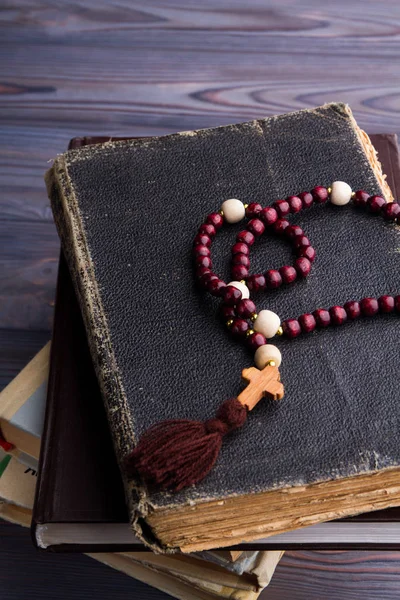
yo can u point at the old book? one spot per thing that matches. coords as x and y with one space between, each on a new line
116 208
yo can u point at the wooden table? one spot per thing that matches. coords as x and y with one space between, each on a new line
147 68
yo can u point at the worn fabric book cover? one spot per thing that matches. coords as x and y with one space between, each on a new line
168 356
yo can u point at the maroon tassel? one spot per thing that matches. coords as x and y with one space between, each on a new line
175 454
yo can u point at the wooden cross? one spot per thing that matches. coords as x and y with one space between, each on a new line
261 383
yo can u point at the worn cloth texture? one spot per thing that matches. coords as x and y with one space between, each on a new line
141 203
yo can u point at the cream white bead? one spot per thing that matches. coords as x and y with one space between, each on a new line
266 353
242 287
267 323
233 210
341 193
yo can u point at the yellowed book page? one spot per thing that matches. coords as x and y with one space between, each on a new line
15 514
17 484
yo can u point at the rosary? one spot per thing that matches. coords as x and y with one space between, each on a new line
178 453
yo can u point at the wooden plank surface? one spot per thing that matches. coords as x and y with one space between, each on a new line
134 68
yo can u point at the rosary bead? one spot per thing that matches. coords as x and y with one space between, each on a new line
320 194
375 203
242 287
240 248
307 322
253 209
306 199
227 312
232 295
216 287
241 259
239 327
207 229
201 271
291 328
390 211
256 227
268 215
295 204
215 219
302 266
239 271
267 323
200 250
360 198
203 261
280 226
282 208
256 340
352 308
256 283
322 317
301 241
397 303
266 353
293 231
369 307
245 308
340 193
338 315
245 237
233 210
386 304
273 279
307 252
288 274
202 239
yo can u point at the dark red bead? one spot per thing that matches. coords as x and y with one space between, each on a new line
282 208
241 259
302 266
295 204
255 283
245 308
239 272
201 271
256 340
288 274
207 229
320 194
268 215
360 198
397 303
375 203
291 328
256 227
203 261
369 307
227 312
301 241
240 248
306 199
245 237
202 239
280 225
215 219
207 279
307 322
322 317
352 309
239 327
293 231
386 304
391 211
200 250
273 279
253 209
307 252
216 287
231 295
338 315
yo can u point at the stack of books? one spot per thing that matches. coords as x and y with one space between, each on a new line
135 342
